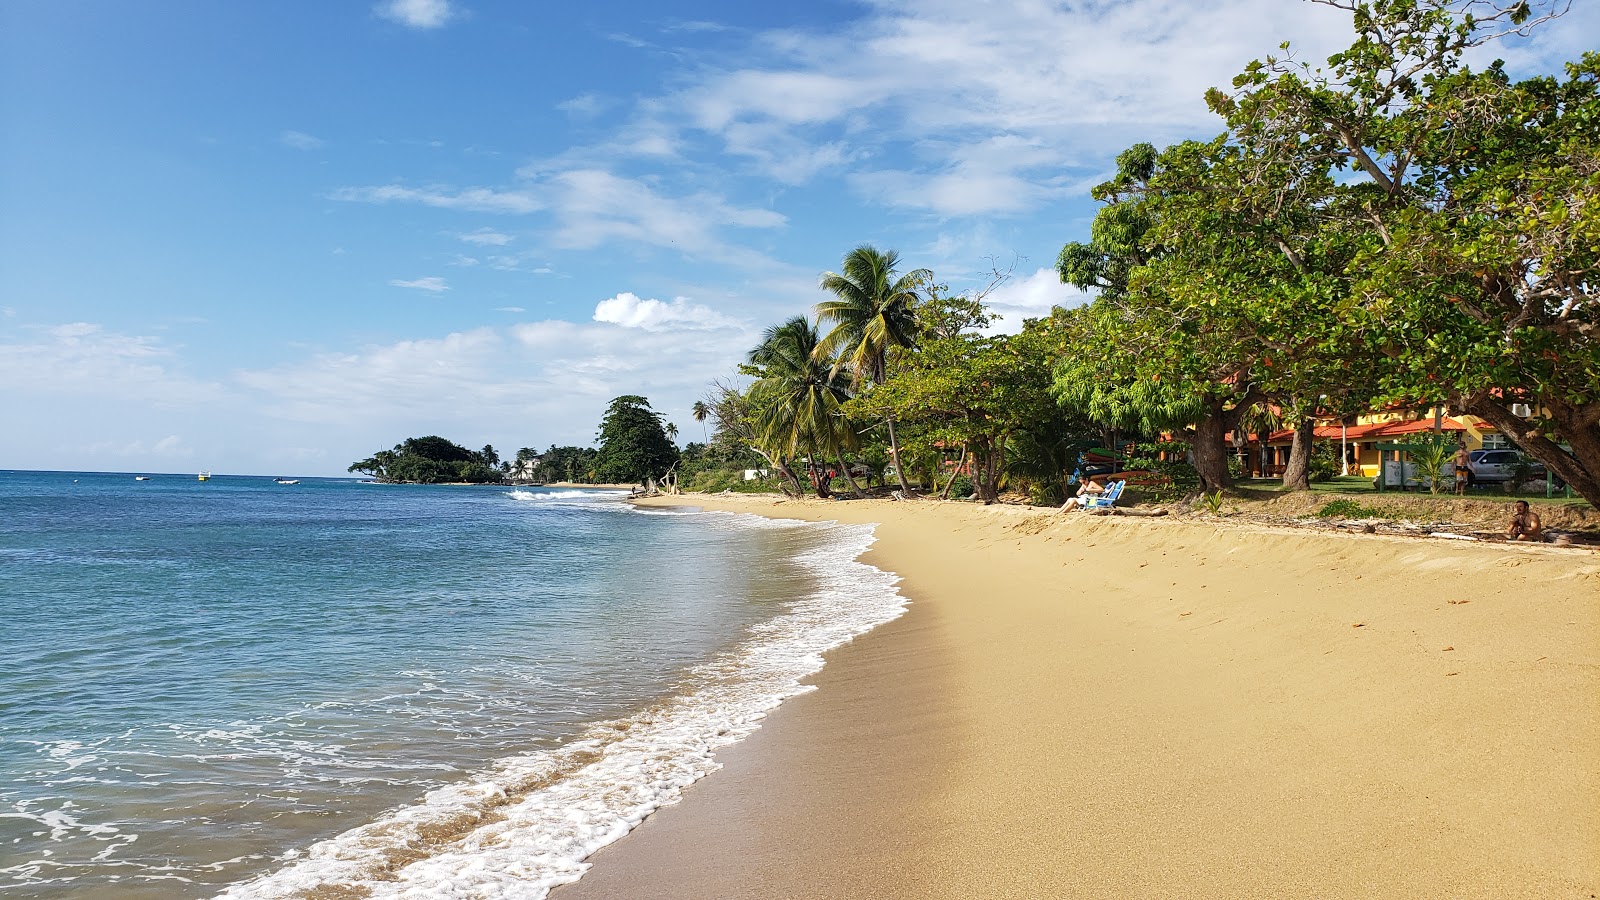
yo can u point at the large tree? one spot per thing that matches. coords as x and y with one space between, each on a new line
1479 201
873 311
633 443
974 391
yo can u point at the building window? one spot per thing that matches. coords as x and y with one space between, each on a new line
1496 442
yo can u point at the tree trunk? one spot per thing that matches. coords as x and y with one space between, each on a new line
1210 452
817 480
1580 469
782 465
961 464
894 454
854 488
1297 475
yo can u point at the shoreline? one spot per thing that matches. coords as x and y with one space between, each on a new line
1113 707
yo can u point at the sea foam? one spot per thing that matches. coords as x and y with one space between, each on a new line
526 824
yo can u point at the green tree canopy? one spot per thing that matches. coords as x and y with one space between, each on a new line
633 443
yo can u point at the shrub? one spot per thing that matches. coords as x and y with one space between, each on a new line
1324 461
1345 508
962 488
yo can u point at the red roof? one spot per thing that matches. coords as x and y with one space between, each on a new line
1373 431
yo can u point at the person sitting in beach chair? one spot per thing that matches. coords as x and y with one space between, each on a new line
1087 488
1107 498
1525 525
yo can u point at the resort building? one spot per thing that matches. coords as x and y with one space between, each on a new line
1364 433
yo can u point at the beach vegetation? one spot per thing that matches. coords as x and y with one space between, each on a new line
634 445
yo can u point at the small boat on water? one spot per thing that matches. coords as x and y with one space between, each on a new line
141 478
281 480
205 476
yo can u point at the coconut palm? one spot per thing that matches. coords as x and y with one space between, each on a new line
872 311
701 412
799 394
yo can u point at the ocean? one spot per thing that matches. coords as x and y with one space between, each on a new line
245 689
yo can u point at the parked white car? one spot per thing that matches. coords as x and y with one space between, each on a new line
1494 467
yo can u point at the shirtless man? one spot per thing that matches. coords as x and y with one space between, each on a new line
1525 525
1463 467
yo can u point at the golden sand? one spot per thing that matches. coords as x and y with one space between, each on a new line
1093 707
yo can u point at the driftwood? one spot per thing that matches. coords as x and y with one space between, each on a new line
1119 511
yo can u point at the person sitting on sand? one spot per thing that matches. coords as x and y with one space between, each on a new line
1087 488
1525 525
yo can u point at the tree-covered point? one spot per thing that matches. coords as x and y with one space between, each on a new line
633 443
431 460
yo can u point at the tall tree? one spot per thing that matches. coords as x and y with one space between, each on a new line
872 311
633 443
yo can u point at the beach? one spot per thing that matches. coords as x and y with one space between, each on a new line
1090 707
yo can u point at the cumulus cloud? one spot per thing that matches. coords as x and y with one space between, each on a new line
419 14
299 140
627 310
432 283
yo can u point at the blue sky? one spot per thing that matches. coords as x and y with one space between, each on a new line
272 238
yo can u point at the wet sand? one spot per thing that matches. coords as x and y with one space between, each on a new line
1090 707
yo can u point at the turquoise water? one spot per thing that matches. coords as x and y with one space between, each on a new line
243 683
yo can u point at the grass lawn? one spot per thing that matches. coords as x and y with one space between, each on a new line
1358 484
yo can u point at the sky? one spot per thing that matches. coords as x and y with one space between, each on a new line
272 238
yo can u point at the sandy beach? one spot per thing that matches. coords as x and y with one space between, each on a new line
1091 707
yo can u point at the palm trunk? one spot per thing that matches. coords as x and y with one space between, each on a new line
782 465
816 476
850 479
1297 474
894 454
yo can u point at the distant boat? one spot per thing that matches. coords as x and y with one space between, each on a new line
285 481
205 476
141 478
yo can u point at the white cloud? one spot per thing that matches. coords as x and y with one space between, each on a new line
1035 92
419 14
509 309
592 207
486 237
85 358
471 199
627 310
299 140
584 105
1031 297
431 283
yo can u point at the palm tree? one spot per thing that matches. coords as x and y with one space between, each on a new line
701 412
799 393
672 432
872 311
